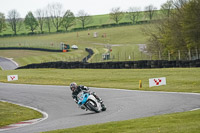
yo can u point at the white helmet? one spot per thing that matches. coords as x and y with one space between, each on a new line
73 85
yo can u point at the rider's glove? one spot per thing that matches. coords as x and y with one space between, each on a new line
75 101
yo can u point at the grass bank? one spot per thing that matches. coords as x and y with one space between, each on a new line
122 40
187 122
10 113
24 57
178 79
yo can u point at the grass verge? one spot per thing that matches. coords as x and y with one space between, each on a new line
10 113
178 79
187 122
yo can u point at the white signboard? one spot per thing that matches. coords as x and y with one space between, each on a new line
12 77
157 81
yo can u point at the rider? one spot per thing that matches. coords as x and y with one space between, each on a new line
77 89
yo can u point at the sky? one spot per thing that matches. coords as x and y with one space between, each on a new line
91 7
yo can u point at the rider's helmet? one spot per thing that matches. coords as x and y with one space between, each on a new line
73 86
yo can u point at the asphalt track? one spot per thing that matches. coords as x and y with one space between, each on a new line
7 64
57 102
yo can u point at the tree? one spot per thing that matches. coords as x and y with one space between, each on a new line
116 14
2 22
150 11
31 22
167 7
40 15
84 18
14 21
48 19
191 23
180 31
68 19
133 14
56 13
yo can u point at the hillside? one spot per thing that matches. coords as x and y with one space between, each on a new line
122 39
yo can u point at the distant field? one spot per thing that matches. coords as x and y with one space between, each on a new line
25 57
117 35
123 41
97 20
178 79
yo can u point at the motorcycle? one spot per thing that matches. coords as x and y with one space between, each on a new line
89 102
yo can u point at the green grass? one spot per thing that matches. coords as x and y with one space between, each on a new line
10 113
24 57
187 122
126 38
116 35
178 79
97 20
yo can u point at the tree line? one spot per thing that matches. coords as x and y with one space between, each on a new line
178 30
54 15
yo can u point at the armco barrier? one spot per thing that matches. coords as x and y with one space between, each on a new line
116 65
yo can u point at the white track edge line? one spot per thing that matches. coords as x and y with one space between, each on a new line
45 115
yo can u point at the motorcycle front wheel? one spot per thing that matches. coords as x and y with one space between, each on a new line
93 106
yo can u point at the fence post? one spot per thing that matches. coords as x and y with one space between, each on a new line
150 56
189 53
118 56
197 54
125 55
168 55
160 55
179 55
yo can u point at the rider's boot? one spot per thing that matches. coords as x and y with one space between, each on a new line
102 105
100 101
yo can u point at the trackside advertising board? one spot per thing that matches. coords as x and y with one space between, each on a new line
157 81
12 77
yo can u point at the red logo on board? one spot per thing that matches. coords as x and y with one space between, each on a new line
157 81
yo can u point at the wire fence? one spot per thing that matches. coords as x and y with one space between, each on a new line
183 55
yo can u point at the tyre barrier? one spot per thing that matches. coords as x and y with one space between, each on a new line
26 48
116 65
90 51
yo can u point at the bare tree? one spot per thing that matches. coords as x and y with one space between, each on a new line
116 14
2 22
14 21
56 13
180 3
167 7
84 18
40 16
150 11
48 19
133 14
